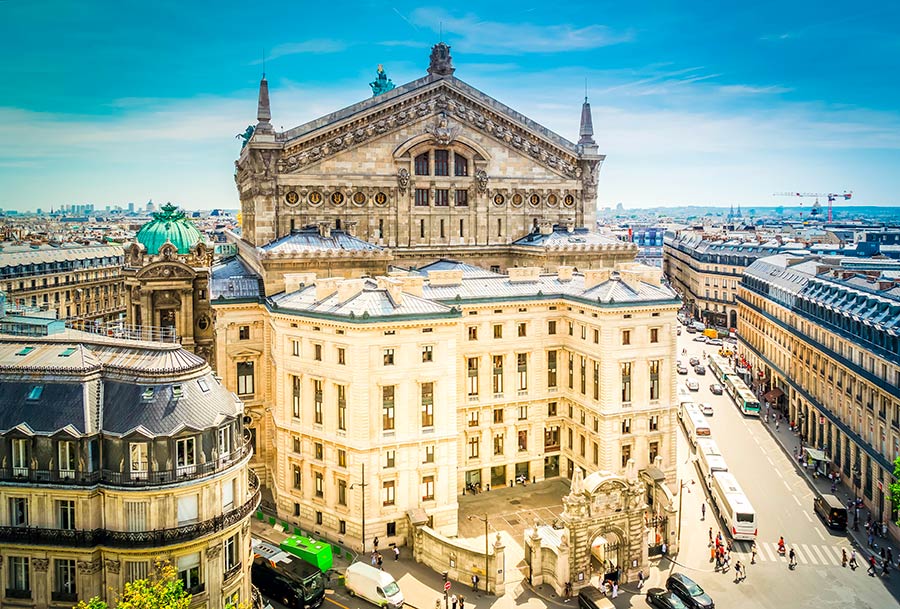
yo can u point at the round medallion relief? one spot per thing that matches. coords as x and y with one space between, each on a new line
292 198
569 201
359 198
315 198
499 199
337 198
517 200
551 200
534 199
380 199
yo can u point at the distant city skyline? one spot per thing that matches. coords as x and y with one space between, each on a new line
692 105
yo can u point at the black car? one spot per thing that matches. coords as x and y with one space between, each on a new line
689 592
700 369
716 389
664 599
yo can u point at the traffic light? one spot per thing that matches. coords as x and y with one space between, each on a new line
444 575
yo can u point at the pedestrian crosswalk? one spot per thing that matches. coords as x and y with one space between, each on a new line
807 554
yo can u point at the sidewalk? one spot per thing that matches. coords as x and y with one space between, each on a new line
789 442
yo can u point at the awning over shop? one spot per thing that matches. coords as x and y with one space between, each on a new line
815 455
773 394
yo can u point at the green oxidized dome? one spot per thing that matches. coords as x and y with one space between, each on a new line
171 225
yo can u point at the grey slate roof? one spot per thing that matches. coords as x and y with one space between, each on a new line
15 255
232 279
309 239
560 237
60 405
445 264
370 301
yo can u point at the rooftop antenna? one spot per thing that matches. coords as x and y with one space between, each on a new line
264 62
585 88
442 32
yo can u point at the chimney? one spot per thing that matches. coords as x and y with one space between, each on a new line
594 277
524 274
412 284
394 288
295 281
350 227
565 273
443 278
632 278
885 284
326 286
348 288
546 227
324 229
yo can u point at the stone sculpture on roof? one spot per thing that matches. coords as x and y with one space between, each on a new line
381 84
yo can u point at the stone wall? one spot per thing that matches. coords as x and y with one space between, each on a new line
461 559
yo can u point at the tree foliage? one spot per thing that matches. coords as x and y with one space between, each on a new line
162 590
894 487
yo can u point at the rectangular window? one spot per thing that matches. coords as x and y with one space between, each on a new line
428 488
342 457
626 337
232 554
244 333
317 352
596 380
473 332
498 331
551 369
421 198
421 229
654 451
472 376
427 404
626 455
136 515
189 572
521 329
387 492
582 445
342 356
551 438
626 426
298 476
551 409
318 399
462 199
654 422
523 412
295 348
387 408
65 514
626 381
187 509
522 371
596 336
67 459
18 512
551 327
186 455
441 197
421 164
64 576
441 162
654 335
473 447
320 485
523 439
571 329
341 407
498 415
497 374
427 353
429 453
388 357
582 379
460 165
654 379
19 576
461 226
245 378
571 371
136 569
342 492
498 444
224 438
295 396
473 418
228 495
319 450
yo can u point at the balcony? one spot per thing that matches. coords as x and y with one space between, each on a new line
64 597
16 593
131 539
127 479
231 572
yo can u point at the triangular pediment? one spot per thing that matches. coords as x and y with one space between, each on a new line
245 354
428 99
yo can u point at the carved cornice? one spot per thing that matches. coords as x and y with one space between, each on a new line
431 103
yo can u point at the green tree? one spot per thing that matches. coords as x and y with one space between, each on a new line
894 487
162 590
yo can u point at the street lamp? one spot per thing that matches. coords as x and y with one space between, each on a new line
680 511
483 519
363 486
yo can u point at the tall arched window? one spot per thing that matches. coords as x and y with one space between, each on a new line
422 164
460 165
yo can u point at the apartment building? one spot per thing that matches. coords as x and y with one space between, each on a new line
821 336
82 283
115 454
407 389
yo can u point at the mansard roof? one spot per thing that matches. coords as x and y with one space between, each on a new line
310 238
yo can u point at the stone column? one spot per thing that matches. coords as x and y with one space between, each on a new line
499 567
537 574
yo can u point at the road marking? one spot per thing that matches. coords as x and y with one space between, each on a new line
818 532
820 555
797 500
336 603
806 550
778 473
786 485
767 551
810 519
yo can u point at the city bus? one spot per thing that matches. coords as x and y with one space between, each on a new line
733 506
741 394
720 366
695 424
709 459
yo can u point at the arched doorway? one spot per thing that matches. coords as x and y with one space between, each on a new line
606 557
732 319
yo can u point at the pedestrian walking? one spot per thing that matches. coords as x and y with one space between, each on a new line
843 557
702 511
474 583
883 555
890 555
375 543
777 423
396 553
615 589
462 602
453 601
380 561
853 562
710 537
753 553
740 574
640 579
871 571
871 539
792 556
712 553
374 557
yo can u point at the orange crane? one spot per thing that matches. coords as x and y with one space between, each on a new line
830 196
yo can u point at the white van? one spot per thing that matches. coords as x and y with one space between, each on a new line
374 585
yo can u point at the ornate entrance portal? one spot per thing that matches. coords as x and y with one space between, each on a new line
600 534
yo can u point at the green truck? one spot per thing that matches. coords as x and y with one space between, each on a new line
313 551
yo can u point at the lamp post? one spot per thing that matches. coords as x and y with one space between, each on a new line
484 519
363 486
680 511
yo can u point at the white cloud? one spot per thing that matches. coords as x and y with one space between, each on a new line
316 46
472 35
754 90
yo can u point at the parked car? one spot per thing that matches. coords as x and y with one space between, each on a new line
691 330
714 341
681 369
700 339
706 409
664 599
715 389
694 361
700 369
692 385
688 591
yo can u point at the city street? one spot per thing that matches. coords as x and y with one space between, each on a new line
783 502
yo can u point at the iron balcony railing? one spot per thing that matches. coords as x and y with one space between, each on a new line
29 476
82 538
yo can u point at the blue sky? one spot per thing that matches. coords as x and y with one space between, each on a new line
694 102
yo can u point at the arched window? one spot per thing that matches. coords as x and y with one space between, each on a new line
422 164
460 165
442 162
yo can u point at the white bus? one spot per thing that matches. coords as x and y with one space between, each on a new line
695 424
733 506
709 459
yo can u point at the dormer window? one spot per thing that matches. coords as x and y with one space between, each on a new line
35 393
147 395
177 392
204 386
68 351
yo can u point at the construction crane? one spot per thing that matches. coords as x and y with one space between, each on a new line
830 196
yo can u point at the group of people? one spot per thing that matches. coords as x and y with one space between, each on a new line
719 551
378 559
